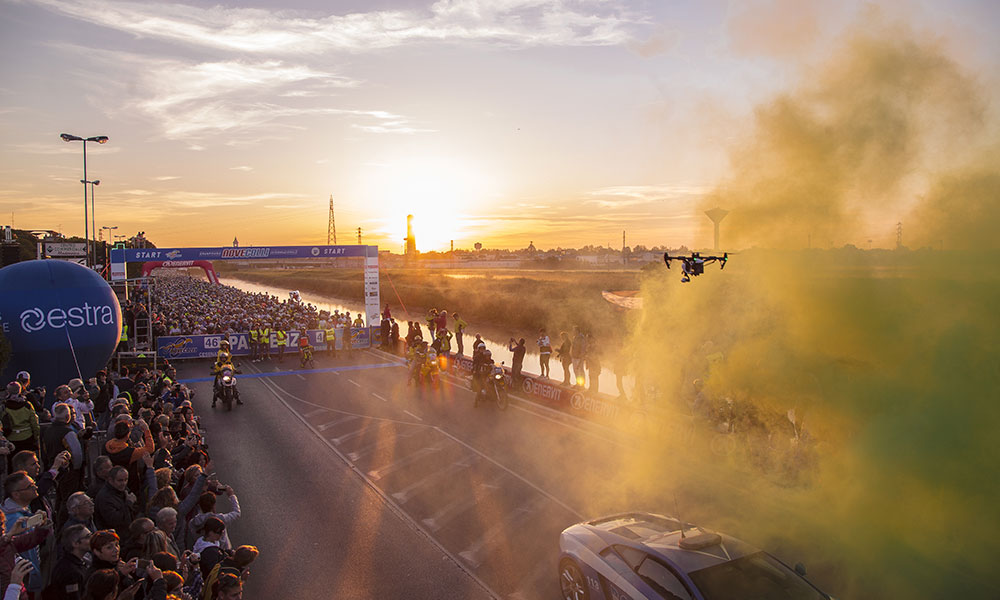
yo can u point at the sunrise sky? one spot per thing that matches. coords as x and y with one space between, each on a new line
560 122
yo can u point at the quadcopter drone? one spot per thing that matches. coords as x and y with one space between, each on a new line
694 265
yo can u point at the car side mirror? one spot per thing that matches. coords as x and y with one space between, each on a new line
800 569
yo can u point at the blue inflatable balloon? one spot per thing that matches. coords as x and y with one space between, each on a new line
61 319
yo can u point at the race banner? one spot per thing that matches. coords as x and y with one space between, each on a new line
176 347
129 255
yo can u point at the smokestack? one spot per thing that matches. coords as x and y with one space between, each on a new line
717 215
411 242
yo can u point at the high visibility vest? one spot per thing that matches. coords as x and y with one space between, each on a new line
265 336
281 335
253 335
331 337
124 332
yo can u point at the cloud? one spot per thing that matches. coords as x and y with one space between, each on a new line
628 195
252 31
166 177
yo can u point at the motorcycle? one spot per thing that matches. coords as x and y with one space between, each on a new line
430 371
493 388
225 387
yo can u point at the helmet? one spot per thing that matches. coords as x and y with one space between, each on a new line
224 344
23 376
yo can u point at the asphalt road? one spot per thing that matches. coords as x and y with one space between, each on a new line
354 485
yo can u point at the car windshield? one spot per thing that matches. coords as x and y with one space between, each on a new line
754 577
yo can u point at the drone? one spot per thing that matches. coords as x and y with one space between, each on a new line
694 265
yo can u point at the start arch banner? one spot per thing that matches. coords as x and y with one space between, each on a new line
175 347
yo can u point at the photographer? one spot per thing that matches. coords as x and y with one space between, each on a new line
18 539
21 491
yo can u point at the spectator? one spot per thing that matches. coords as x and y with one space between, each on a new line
206 504
102 465
83 406
207 546
230 571
518 361
593 364
60 436
565 355
80 511
544 352
135 542
102 585
15 540
114 506
579 356
20 490
15 588
69 577
20 422
460 326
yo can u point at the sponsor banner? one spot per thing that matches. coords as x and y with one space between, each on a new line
240 253
207 346
373 303
66 249
575 401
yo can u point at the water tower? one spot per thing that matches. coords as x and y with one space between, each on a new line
717 215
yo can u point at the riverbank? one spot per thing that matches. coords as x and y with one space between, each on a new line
502 305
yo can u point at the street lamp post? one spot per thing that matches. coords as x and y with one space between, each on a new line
111 237
100 139
93 216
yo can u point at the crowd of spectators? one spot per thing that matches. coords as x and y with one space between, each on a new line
110 494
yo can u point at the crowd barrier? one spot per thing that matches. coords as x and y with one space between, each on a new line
207 346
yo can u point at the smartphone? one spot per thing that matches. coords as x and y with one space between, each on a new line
35 520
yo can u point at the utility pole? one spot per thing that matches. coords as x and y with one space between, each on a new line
359 236
331 227
899 235
624 258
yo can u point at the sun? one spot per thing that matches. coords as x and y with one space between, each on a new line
440 193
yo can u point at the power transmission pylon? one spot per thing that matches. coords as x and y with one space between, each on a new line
359 236
331 228
899 236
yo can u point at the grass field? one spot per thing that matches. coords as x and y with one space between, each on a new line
515 301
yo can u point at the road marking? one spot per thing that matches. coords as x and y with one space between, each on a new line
461 504
350 436
336 422
416 487
395 508
300 377
379 397
473 554
413 415
354 382
313 413
404 461
360 452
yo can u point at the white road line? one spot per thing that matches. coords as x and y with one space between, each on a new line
416 487
300 376
315 412
413 415
473 554
404 461
354 382
366 449
379 397
460 504
350 436
395 508
335 422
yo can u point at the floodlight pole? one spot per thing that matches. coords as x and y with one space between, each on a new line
100 139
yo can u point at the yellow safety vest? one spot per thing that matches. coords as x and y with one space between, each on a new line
281 337
124 333
253 335
265 335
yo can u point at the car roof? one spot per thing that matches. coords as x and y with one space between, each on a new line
660 536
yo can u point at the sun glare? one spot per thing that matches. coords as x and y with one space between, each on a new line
440 194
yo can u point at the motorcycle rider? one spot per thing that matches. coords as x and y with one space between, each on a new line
431 367
418 355
482 367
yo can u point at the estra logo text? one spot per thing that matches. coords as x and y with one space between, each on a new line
35 319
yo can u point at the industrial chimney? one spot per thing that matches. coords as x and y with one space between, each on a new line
411 242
